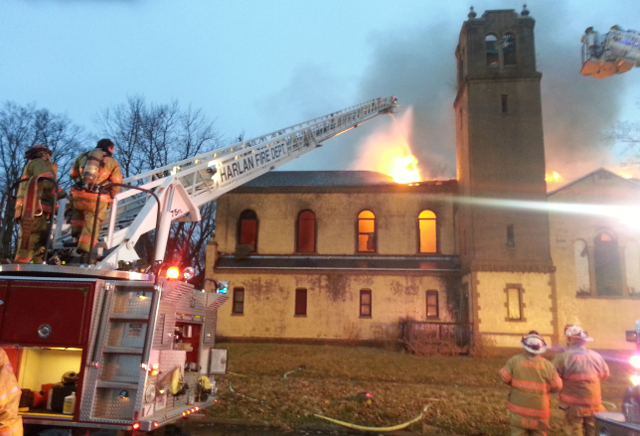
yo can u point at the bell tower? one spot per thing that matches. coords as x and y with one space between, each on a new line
503 234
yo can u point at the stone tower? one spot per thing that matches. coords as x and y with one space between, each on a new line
503 238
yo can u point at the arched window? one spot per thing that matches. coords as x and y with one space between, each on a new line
491 47
248 229
306 235
509 49
366 232
581 258
606 264
632 267
428 232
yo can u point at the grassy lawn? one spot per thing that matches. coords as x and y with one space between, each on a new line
465 394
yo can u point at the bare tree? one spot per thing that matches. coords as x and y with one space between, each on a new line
626 135
20 128
150 136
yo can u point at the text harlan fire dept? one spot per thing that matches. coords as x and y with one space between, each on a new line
252 161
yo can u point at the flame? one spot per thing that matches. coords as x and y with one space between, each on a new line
405 170
553 177
388 152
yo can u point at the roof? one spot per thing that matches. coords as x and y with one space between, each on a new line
321 178
634 182
433 264
339 181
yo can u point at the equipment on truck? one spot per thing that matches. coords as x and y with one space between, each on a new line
141 344
615 52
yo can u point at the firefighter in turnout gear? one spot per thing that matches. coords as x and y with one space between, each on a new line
581 371
532 378
10 421
35 203
90 171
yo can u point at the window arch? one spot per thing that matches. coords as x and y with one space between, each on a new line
248 229
509 49
306 232
366 232
427 230
491 47
581 258
606 264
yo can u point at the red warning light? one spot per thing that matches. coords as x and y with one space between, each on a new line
173 272
136 425
155 424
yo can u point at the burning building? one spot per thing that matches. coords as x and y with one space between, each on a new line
355 256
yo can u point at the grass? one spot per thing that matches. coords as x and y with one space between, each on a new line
465 394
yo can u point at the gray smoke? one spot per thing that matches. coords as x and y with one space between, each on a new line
418 66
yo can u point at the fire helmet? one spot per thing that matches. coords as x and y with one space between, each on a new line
534 343
576 332
37 150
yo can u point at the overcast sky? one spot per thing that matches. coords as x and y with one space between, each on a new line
258 66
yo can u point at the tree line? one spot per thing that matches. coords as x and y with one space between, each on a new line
147 136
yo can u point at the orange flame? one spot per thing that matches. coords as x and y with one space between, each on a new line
388 152
553 177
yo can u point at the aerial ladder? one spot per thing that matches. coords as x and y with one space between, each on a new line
141 343
182 187
615 52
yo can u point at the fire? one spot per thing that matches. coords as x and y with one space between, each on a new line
405 170
388 152
553 177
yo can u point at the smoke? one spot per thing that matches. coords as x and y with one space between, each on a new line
418 66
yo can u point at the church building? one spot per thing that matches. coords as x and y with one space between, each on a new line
352 256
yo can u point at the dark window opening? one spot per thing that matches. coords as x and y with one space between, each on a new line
511 241
238 301
432 305
606 262
306 237
365 303
301 302
509 50
248 229
366 231
491 47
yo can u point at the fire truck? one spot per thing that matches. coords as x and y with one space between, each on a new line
615 52
627 422
105 346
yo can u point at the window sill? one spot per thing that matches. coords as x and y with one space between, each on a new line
297 315
516 320
433 318
237 314
608 297
366 317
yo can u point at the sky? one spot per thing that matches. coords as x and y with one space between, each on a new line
257 66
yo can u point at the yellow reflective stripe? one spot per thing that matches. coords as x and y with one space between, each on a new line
16 428
5 397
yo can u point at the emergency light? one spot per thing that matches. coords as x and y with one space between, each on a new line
173 272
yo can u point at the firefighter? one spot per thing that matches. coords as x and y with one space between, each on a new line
35 203
90 171
532 378
581 371
10 421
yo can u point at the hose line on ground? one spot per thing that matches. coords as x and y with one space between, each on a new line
382 429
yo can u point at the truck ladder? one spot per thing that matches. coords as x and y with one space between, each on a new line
186 185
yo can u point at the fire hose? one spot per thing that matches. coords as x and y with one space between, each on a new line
381 429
